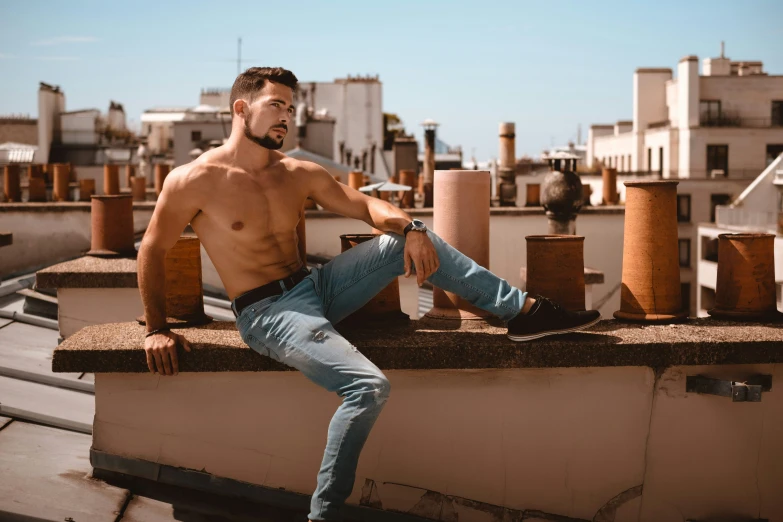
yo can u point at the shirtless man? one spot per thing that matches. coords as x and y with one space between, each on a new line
245 201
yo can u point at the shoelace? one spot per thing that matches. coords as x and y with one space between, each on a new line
558 309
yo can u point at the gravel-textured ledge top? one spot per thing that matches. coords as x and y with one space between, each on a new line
437 344
89 272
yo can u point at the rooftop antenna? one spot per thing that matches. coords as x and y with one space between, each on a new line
721 49
579 134
239 56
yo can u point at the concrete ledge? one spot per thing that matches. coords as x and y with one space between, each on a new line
433 344
89 272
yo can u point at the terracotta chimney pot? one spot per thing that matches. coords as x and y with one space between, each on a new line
650 289
609 178
86 189
461 217
355 179
138 187
533 195
62 178
161 171
112 226
184 289
385 306
130 171
556 269
35 171
746 277
11 187
407 177
111 180
36 190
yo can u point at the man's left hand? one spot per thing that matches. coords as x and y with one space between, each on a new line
420 254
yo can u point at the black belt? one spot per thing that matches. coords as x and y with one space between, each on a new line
268 290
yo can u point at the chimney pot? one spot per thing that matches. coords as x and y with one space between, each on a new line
650 290
11 185
112 226
461 218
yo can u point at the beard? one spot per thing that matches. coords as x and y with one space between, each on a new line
266 141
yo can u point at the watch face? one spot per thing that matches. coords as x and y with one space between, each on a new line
419 225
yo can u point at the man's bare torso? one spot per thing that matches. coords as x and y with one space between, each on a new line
248 220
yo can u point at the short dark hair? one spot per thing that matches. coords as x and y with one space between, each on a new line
250 82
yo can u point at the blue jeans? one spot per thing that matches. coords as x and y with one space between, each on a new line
295 328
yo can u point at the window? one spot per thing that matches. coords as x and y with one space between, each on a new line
709 112
649 159
717 160
685 253
715 200
683 208
773 151
660 160
195 136
685 292
777 113
709 248
630 169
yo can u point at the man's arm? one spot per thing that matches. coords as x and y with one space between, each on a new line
179 201
342 199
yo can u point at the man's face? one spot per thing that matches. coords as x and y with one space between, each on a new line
267 118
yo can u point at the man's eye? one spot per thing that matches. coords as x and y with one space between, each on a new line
275 104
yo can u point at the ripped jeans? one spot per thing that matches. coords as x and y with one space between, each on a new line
295 328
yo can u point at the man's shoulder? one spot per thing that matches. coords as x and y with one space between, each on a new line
299 166
195 173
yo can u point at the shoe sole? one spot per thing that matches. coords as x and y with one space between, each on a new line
553 332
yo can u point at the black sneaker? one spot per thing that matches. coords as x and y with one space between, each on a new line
548 318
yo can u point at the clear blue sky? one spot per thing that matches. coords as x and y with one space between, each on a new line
548 66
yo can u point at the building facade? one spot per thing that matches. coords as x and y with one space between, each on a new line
726 122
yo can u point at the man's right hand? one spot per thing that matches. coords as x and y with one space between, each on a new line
161 350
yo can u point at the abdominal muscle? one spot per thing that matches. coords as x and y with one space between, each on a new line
247 262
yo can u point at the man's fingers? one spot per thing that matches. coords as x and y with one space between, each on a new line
419 272
164 355
407 261
150 361
174 361
185 343
158 361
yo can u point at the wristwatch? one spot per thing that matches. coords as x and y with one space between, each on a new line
416 225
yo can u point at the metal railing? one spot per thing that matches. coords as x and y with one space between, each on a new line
728 120
743 219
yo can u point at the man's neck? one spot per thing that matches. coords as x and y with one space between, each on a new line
248 155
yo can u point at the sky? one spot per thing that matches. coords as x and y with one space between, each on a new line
547 66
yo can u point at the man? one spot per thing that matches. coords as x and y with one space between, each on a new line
245 201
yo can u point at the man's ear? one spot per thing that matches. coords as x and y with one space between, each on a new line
239 107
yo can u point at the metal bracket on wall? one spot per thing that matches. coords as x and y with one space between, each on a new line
748 390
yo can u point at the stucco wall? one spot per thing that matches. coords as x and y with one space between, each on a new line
748 97
43 237
747 149
563 441
608 148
